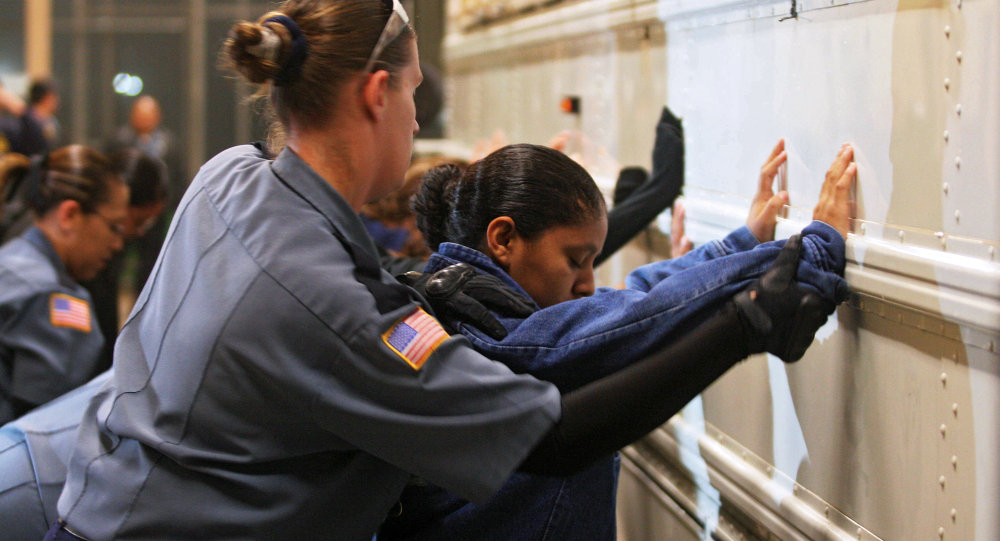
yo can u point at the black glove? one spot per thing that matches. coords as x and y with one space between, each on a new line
657 191
460 292
780 315
668 151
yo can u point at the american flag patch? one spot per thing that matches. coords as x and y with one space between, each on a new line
415 337
67 311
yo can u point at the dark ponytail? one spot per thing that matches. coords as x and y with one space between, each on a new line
432 203
536 186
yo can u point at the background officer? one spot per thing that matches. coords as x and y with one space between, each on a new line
49 336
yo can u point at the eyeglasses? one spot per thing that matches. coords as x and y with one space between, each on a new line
116 228
393 27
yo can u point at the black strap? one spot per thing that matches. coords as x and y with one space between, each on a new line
367 271
388 297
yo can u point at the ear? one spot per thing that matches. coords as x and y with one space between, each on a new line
501 239
375 94
68 215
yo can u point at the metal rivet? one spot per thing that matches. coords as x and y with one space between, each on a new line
958 56
859 533
826 511
901 235
958 162
945 187
958 109
954 514
946 136
944 379
947 83
941 532
954 409
943 429
992 251
958 4
954 462
864 229
941 481
958 215
947 31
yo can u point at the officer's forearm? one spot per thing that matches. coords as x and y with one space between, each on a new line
610 413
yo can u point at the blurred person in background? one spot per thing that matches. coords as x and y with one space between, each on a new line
43 102
30 128
145 133
50 339
392 223
146 177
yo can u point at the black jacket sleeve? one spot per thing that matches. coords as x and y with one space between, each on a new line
643 205
610 413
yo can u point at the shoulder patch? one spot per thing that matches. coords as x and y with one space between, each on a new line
415 337
68 311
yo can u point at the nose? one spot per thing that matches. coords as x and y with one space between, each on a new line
584 285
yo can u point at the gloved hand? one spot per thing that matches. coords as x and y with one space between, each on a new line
780 315
459 292
668 151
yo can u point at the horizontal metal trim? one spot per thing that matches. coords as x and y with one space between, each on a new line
582 19
553 25
632 462
954 279
748 484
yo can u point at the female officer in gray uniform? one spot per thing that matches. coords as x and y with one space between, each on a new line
273 383
49 337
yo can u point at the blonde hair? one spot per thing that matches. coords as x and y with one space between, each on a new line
339 36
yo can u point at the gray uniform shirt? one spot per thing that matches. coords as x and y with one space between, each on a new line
49 337
260 390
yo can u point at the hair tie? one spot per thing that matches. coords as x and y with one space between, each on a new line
300 47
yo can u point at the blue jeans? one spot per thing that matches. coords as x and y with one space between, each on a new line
527 508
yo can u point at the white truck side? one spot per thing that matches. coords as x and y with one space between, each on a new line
889 428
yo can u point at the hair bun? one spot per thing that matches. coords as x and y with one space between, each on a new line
432 203
254 51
